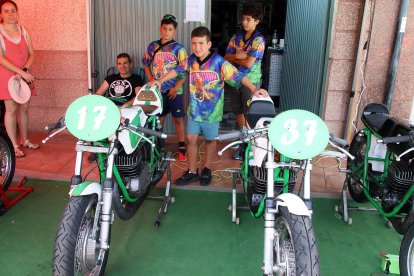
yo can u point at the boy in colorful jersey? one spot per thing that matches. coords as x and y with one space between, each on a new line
164 55
208 72
245 51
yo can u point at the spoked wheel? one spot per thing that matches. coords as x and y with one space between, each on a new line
407 253
294 249
7 160
355 184
77 249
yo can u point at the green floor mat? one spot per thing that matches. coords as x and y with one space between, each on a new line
196 237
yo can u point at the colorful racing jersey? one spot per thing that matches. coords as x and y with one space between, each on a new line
207 79
255 46
162 58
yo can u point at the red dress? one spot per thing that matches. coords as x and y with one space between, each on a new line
17 54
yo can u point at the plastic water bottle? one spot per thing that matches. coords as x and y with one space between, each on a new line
274 39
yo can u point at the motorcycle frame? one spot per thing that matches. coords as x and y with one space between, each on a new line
108 172
284 165
363 175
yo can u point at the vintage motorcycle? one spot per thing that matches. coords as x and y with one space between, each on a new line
130 163
273 150
382 171
383 174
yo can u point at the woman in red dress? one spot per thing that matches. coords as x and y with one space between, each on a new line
16 57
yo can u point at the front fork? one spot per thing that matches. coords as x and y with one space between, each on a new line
269 215
104 211
107 215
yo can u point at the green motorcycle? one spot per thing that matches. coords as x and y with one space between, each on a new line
273 149
131 162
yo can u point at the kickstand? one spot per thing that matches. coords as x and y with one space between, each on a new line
233 206
166 199
6 203
343 209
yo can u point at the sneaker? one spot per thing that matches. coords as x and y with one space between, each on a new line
92 157
187 178
236 155
205 178
182 156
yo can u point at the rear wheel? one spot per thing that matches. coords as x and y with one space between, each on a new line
7 160
407 253
295 243
77 249
354 182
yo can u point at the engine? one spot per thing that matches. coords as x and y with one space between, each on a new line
257 185
400 178
134 170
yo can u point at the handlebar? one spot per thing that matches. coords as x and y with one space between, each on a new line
229 136
396 139
144 130
59 124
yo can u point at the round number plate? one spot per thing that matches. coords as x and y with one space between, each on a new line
92 118
298 134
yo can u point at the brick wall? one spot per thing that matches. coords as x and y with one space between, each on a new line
58 32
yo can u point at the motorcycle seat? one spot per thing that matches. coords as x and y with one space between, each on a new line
259 108
374 116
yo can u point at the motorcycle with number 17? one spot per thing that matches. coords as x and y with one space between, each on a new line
131 162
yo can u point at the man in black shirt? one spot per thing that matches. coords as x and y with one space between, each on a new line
121 87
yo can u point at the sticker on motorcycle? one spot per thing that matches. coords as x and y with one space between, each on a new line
298 134
92 118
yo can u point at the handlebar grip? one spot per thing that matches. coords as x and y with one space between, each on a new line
395 139
228 136
59 124
338 140
152 132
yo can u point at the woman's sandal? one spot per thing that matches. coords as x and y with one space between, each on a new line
30 145
18 152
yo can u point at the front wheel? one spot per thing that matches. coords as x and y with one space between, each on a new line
77 249
7 160
356 166
407 253
294 248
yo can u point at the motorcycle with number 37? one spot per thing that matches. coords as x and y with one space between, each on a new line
131 162
273 150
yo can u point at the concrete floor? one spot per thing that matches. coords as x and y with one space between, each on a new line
55 161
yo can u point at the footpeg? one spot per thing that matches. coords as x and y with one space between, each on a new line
344 170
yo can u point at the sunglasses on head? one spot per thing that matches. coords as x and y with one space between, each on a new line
169 16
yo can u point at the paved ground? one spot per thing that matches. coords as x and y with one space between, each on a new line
55 161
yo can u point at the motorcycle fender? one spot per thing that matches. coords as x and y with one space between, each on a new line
87 188
294 204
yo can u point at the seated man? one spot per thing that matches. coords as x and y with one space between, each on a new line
121 87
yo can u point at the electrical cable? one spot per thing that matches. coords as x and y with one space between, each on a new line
362 67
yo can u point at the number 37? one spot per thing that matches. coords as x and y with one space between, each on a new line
292 134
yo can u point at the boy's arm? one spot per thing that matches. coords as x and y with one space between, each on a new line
148 73
102 89
255 91
170 75
248 62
